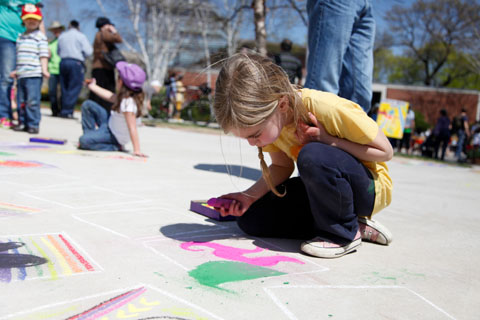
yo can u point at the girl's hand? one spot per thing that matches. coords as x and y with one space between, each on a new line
241 203
90 82
139 154
311 133
13 74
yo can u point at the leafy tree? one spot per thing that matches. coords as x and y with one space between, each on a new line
432 31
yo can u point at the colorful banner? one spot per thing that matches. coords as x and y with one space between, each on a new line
391 117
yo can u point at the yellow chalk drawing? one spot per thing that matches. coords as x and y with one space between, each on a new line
146 303
181 312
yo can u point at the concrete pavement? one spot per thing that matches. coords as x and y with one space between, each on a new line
96 235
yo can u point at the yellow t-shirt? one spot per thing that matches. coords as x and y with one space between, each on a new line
344 119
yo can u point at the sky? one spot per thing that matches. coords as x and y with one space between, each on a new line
75 9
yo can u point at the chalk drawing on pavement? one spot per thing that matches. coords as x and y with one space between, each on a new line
140 302
365 300
12 210
44 256
84 197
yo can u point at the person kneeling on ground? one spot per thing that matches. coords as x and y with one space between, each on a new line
111 132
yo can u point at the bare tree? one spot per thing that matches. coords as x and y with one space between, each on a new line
232 15
432 31
157 29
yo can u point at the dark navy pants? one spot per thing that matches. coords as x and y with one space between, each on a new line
333 189
71 82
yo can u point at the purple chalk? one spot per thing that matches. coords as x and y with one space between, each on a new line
47 140
219 202
200 206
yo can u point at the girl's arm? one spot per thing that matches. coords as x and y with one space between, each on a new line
280 170
44 65
132 129
379 149
101 92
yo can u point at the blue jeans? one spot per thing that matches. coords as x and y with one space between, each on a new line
96 134
28 101
340 48
333 189
72 73
7 65
460 142
53 83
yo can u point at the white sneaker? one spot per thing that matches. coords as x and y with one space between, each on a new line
373 231
322 248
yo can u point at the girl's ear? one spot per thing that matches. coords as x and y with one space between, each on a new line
283 104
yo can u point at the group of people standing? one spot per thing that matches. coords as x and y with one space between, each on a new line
27 59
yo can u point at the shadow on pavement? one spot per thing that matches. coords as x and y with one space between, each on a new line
186 232
234 170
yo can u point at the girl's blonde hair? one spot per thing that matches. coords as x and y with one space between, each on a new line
247 92
125 93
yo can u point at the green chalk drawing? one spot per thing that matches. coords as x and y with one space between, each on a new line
393 277
6 153
214 273
286 282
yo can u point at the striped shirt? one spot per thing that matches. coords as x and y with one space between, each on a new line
30 48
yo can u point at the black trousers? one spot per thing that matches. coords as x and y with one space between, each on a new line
333 189
106 79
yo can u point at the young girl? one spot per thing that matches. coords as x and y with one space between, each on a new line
339 153
105 132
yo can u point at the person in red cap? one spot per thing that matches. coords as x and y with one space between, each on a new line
32 61
111 132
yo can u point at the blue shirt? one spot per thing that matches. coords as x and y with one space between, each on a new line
10 23
74 45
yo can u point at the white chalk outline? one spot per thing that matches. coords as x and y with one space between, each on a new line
89 188
171 211
292 316
173 297
76 178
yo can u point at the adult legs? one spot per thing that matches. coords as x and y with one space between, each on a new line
334 188
7 65
340 42
445 141
106 79
461 140
53 83
405 142
93 115
329 29
357 72
71 81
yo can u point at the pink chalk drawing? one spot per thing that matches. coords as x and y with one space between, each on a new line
237 254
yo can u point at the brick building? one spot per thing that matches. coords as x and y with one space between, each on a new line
429 101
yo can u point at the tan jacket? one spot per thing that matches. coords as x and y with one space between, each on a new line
104 40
